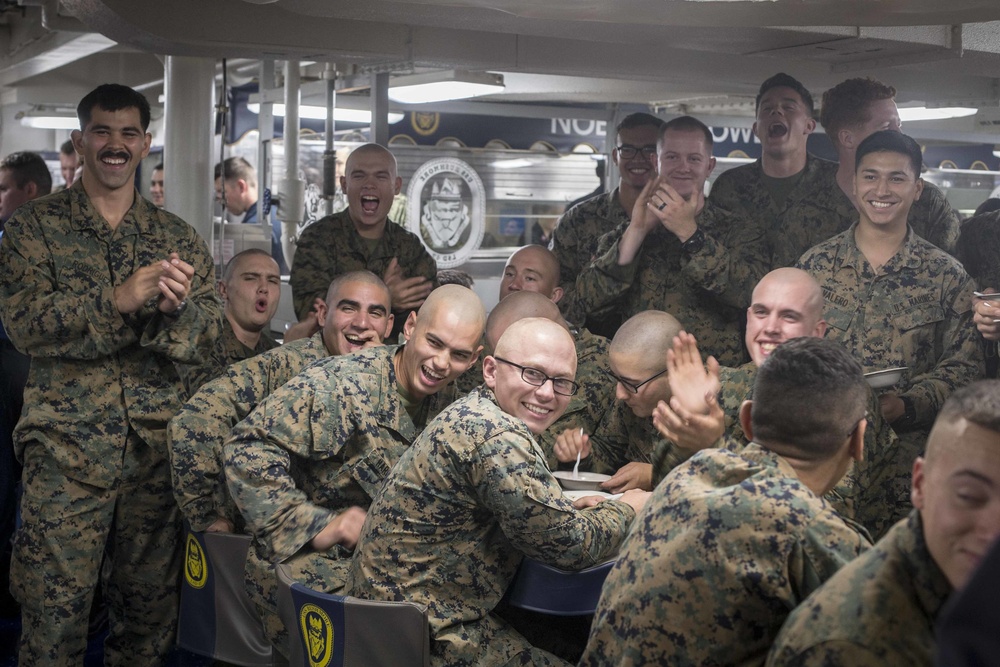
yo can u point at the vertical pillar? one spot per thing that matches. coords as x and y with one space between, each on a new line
380 109
292 187
189 114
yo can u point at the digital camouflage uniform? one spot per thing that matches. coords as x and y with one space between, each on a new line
574 243
318 445
706 288
878 610
978 250
916 312
931 217
199 431
622 438
466 503
332 246
727 546
92 436
228 350
875 492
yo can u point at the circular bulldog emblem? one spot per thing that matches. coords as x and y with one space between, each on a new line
447 210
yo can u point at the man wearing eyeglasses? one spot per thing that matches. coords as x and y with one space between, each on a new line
679 253
575 238
473 495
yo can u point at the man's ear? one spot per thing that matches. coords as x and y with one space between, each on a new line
745 422
389 321
557 293
410 325
31 189
846 138
220 287
919 477
858 441
490 371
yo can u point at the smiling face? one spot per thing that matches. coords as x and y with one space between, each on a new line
638 169
532 343
532 269
156 188
685 160
441 345
371 184
886 186
355 315
783 122
957 490
252 291
112 145
636 370
787 303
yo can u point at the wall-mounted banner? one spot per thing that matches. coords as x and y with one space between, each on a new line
447 209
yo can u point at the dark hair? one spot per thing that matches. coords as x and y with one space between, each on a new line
113 97
236 168
988 206
68 148
889 141
846 104
807 398
158 167
454 277
230 268
639 119
782 80
978 403
688 123
27 167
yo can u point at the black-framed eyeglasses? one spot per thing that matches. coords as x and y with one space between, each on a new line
537 378
628 151
634 388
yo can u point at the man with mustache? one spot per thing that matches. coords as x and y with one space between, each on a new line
250 288
356 315
107 293
787 191
306 463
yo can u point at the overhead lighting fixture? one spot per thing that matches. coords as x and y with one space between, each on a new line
319 113
444 86
940 113
49 119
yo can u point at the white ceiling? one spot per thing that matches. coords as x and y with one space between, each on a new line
707 57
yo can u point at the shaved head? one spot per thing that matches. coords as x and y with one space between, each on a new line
787 303
535 333
371 150
518 306
647 336
808 291
362 277
456 299
533 268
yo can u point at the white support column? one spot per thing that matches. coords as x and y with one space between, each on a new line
292 188
189 115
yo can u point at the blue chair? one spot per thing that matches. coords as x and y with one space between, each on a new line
343 631
217 618
549 590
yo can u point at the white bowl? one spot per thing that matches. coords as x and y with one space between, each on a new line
884 378
576 495
584 481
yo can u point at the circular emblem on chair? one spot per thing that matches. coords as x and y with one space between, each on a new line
317 631
195 567
446 204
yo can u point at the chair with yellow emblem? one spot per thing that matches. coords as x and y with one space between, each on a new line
342 631
217 618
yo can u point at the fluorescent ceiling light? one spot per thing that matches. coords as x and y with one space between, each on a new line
444 86
940 113
49 119
319 113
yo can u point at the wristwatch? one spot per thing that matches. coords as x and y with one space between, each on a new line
180 309
909 418
695 243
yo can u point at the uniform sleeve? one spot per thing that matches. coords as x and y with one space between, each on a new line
314 265
192 336
567 246
514 483
732 260
611 443
49 314
943 223
298 420
826 546
600 286
416 261
830 653
960 361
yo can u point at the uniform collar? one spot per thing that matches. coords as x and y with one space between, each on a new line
84 215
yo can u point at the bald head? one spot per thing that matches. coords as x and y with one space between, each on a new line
461 301
646 336
356 278
380 153
787 303
533 268
518 306
535 333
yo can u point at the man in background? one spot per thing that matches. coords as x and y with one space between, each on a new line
156 194
238 179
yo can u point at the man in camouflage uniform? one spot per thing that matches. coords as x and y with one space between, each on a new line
574 240
361 237
250 289
881 609
894 299
978 250
787 192
306 463
730 543
474 495
106 293
851 111
679 253
355 315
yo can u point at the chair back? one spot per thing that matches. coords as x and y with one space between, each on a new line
342 631
217 618
549 590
